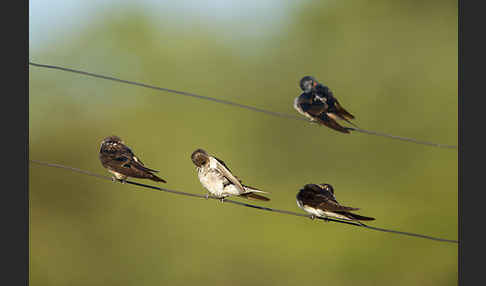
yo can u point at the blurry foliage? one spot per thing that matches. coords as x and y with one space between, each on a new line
391 63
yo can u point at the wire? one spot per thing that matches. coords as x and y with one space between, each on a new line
171 91
227 102
403 138
240 203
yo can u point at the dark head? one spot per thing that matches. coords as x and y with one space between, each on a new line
112 140
327 187
307 83
109 144
307 192
199 157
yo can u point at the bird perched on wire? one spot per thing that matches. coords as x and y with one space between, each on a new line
217 178
319 200
119 160
319 105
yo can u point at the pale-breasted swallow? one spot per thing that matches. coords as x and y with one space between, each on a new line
217 178
319 200
119 160
319 105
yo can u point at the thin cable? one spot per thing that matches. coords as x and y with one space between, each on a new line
239 203
411 234
402 138
170 91
278 114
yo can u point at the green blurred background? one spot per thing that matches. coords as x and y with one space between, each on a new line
393 64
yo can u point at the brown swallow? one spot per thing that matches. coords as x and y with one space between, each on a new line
119 160
217 178
319 200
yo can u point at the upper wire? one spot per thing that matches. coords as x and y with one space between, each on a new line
248 107
241 203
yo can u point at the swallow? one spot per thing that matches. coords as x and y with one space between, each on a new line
319 105
219 181
120 161
319 200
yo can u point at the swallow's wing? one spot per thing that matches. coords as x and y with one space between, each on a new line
224 170
331 123
343 112
123 160
140 165
222 163
128 150
333 102
326 200
329 204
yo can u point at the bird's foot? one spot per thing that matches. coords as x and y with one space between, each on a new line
222 199
116 180
312 217
207 196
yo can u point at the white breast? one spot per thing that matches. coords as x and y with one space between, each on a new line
211 181
313 211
